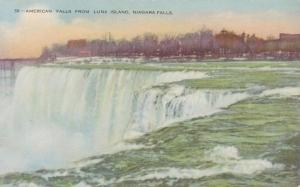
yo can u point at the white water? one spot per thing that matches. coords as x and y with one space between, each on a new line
62 114
282 92
228 160
157 107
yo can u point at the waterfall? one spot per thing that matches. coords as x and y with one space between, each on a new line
107 104
157 107
64 111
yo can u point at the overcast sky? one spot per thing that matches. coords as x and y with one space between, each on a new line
23 35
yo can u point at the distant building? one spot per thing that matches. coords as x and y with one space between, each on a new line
81 43
289 37
79 48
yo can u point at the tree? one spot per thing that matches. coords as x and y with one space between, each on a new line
230 43
169 46
150 44
137 45
206 40
124 47
255 44
190 43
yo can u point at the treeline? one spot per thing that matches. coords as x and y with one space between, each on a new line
202 44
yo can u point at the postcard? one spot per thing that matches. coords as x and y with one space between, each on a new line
139 93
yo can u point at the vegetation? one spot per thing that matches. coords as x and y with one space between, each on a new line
201 44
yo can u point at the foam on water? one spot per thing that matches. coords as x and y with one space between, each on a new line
283 92
227 159
168 77
82 184
222 153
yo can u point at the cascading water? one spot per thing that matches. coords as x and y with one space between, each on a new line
156 107
72 112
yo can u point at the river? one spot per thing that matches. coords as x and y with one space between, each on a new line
151 124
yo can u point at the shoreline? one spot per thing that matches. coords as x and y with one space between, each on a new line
142 59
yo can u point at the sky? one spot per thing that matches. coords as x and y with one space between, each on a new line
25 34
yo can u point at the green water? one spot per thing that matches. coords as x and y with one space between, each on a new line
263 129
